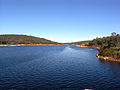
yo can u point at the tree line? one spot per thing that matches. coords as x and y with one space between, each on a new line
109 46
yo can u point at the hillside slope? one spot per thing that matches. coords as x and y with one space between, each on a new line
23 39
80 42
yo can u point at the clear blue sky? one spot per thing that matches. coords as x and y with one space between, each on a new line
60 20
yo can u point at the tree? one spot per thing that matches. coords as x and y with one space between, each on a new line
118 35
113 33
109 46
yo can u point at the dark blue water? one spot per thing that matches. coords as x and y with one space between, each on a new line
61 67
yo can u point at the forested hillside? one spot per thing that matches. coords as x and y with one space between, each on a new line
23 39
109 46
80 42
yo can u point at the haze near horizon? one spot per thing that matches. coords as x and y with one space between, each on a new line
60 20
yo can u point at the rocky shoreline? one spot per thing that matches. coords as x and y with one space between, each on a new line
105 58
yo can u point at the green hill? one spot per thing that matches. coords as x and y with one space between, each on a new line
81 42
23 39
109 46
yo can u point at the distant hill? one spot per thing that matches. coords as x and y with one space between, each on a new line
81 42
23 39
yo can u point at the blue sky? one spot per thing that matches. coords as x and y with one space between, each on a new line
60 20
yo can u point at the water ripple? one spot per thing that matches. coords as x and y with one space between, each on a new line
63 67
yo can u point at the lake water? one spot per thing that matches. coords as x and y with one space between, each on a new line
61 67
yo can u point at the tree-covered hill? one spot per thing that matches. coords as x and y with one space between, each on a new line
23 39
80 42
109 46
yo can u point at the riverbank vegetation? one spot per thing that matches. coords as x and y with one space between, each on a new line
23 39
109 46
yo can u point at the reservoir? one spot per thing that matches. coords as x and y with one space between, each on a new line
61 67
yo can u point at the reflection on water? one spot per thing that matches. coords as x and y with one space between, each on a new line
68 51
113 66
56 67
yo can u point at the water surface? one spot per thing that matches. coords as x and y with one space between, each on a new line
62 67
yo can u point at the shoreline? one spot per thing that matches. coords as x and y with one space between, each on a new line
88 46
105 58
2 45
